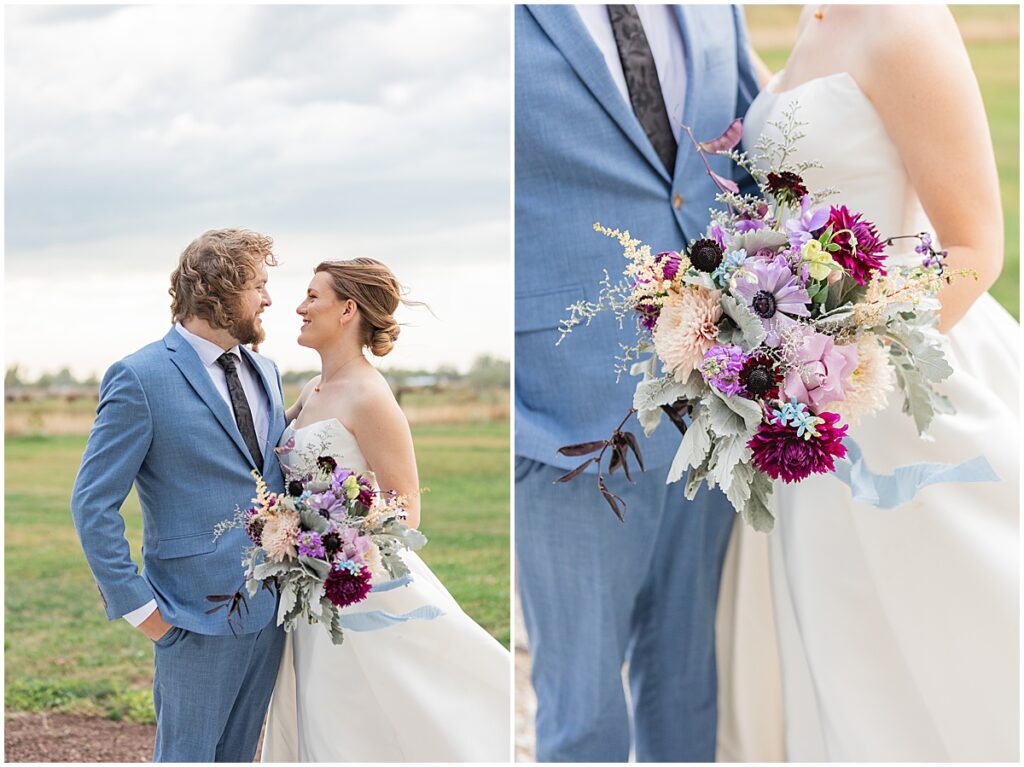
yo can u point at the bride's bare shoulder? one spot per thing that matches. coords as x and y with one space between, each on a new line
372 399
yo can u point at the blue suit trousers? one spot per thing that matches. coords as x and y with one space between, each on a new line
598 593
211 693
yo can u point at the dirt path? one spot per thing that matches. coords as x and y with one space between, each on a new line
43 737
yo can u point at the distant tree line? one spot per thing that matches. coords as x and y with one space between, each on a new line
485 372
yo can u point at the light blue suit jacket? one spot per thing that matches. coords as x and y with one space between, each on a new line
162 425
582 157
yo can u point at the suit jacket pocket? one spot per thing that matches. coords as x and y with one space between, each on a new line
545 309
185 545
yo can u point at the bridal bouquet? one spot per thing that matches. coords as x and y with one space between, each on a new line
775 330
324 544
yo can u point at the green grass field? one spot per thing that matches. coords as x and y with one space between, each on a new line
992 36
61 652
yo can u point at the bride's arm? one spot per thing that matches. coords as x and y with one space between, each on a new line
293 412
385 440
919 77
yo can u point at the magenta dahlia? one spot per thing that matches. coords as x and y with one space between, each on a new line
347 583
780 453
860 251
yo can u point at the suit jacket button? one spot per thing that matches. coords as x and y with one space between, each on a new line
677 201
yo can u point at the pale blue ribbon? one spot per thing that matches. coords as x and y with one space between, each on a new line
886 491
373 620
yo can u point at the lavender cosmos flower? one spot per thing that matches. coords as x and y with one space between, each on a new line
347 583
310 545
774 294
722 367
802 228
327 504
782 453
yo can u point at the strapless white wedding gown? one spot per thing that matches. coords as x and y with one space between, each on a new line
421 691
897 629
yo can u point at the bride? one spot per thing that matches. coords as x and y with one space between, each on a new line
417 691
898 629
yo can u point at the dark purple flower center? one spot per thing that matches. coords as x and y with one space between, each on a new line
295 488
759 380
705 255
764 304
331 542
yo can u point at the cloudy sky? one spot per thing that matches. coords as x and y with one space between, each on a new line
338 130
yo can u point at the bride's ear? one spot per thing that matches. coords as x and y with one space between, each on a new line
349 311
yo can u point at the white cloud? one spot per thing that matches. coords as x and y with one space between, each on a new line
131 129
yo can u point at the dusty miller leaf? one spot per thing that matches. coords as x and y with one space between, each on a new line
694 447
749 332
727 462
732 416
736 484
757 512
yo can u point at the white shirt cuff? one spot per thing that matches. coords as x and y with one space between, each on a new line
137 616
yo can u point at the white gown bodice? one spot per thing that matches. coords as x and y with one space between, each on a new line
847 137
300 447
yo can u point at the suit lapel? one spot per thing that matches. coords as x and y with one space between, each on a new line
187 361
564 27
273 399
694 77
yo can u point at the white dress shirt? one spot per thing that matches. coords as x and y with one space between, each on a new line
666 41
208 353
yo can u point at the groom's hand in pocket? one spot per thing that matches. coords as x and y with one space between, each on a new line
155 626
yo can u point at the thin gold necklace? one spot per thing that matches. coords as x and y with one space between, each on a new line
340 368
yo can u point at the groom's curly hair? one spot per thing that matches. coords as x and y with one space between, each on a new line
213 270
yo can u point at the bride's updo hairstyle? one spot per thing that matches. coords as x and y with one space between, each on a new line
376 292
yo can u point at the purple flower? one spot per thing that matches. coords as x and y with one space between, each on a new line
366 492
669 263
925 245
719 235
722 367
254 526
353 545
338 477
648 315
347 583
781 453
820 371
802 228
860 251
752 225
310 545
328 504
774 295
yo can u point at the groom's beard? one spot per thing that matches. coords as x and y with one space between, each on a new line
247 330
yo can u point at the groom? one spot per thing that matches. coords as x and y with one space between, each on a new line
601 94
186 419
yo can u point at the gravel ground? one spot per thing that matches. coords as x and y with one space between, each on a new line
47 737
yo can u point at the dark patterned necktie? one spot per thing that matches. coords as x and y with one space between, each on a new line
239 404
642 81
